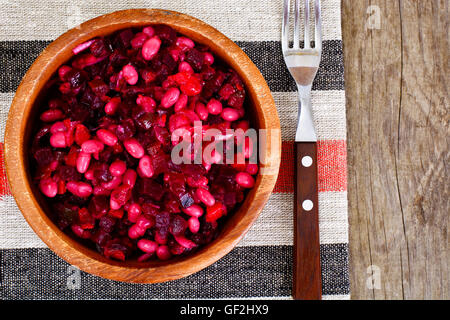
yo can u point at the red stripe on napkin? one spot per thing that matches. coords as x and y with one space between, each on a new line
331 161
332 167
4 187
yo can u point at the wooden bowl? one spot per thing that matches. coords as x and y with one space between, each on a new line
24 111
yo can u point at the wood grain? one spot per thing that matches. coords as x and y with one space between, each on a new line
307 278
398 148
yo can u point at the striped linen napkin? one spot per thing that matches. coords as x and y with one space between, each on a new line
261 265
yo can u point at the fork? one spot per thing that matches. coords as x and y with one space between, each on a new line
303 64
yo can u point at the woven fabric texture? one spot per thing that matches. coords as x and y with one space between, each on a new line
260 266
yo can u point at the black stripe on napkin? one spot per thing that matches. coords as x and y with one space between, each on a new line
15 59
260 271
17 56
267 56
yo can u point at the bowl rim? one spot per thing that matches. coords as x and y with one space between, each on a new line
15 160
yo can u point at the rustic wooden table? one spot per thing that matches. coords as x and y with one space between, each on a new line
396 60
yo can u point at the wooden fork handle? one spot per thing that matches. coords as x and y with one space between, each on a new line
307 279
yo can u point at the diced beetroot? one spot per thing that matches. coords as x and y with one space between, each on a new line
236 100
68 173
162 223
124 38
71 158
189 83
161 134
176 248
113 253
116 213
148 75
107 223
99 48
151 188
121 194
149 209
226 91
85 218
101 237
213 84
178 225
195 58
44 156
125 130
145 121
98 206
166 34
81 134
171 203
99 87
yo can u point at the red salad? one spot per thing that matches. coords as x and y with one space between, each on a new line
102 150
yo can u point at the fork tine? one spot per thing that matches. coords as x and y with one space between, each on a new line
296 24
285 26
318 26
307 42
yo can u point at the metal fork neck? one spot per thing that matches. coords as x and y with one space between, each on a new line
304 91
305 126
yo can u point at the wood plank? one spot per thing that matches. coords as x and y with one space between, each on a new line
398 147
